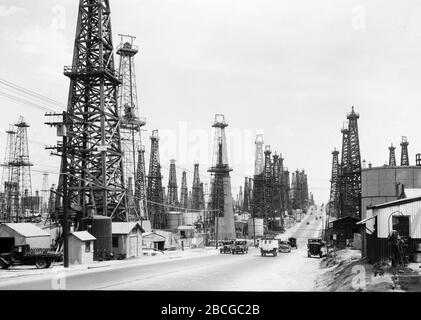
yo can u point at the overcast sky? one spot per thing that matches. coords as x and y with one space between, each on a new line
290 68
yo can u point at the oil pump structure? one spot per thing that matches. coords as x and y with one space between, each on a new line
220 202
93 161
350 173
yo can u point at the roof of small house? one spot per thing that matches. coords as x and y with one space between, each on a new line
27 229
125 227
83 235
154 236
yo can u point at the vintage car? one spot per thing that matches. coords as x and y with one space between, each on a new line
239 246
293 242
284 246
268 245
226 246
316 247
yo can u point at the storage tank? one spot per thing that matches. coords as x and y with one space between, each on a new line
379 184
190 218
174 219
258 226
100 227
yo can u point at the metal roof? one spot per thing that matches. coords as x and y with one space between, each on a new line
124 227
394 203
27 229
185 228
83 235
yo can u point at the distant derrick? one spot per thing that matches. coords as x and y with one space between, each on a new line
246 197
258 180
184 191
392 158
268 184
172 187
196 197
140 185
334 185
404 152
155 194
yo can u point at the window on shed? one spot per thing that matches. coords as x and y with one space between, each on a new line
115 241
87 246
401 224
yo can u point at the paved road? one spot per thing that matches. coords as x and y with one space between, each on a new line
222 272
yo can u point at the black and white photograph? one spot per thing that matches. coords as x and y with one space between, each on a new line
231 146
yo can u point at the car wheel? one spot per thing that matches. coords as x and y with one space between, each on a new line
41 263
4 265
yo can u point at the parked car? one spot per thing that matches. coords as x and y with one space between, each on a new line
316 247
284 246
24 255
293 242
226 246
269 245
239 246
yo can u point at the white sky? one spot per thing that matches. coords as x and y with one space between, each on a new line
292 68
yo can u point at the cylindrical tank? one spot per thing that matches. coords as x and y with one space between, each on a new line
174 219
100 227
258 226
190 218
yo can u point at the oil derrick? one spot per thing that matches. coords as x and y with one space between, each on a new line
44 193
20 177
297 202
344 183
240 199
334 185
221 197
404 152
130 123
95 179
354 168
392 158
132 213
52 201
196 188
184 194
140 185
9 190
258 180
286 184
246 199
277 189
268 186
304 191
172 196
154 191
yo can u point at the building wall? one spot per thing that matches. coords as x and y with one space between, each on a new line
77 252
34 242
378 185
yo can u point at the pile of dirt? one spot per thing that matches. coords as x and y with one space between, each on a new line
346 271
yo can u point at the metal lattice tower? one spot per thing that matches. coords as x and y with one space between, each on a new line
392 158
155 192
296 190
304 190
9 190
220 196
130 125
140 185
202 197
184 193
172 186
258 180
267 174
196 188
343 169
44 193
94 156
277 186
404 152
20 170
334 184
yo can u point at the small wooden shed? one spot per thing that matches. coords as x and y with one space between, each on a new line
127 239
81 248
15 234
153 240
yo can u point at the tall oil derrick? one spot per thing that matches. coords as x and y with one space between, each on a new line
284 188
258 208
196 188
172 194
132 213
304 190
287 190
44 193
296 190
246 199
221 197
184 193
140 185
154 191
95 178
9 190
130 124
277 190
353 207
268 185
334 185
20 170
404 152
392 158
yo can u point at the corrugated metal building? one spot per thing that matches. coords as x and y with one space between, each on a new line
402 215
